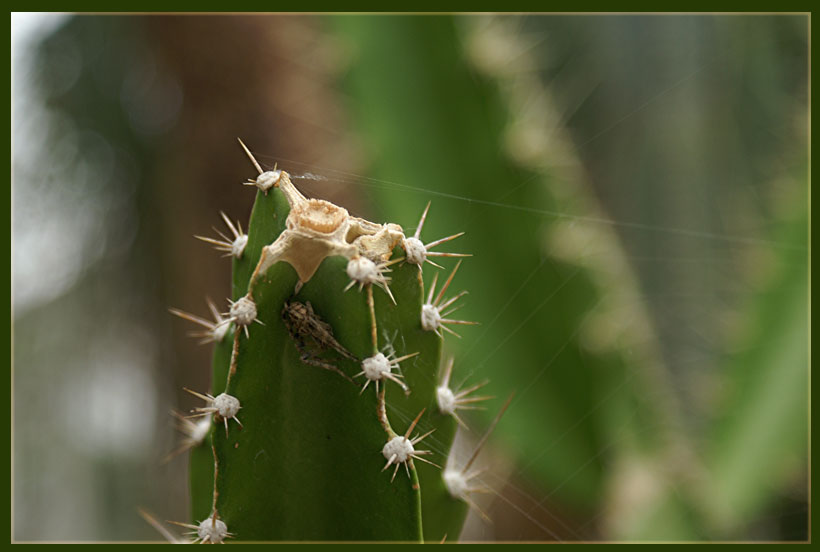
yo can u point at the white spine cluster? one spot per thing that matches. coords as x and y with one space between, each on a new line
212 530
362 270
242 313
233 247
223 405
449 401
226 405
430 318
379 367
417 252
400 449
376 368
456 483
446 400
214 331
267 180
238 245
434 311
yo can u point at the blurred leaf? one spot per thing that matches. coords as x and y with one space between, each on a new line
761 438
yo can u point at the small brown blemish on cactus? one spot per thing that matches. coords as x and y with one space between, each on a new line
303 324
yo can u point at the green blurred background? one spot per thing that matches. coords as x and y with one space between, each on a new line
634 190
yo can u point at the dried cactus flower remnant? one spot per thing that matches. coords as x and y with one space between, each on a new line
316 229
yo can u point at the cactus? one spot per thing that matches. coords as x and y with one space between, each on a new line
326 381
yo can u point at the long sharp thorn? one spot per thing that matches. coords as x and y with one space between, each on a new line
461 322
229 224
477 509
446 329
470 389
442 240
186 525
421 222
413 425
487 434
432 289
224 237
176 452
389 461
191 318
434 264
212 241
447 284
386 288
468 400
426 460
448 371
212 307
441 254
405 357
250 156
200 395
452 300
417 439
153 522
451 311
